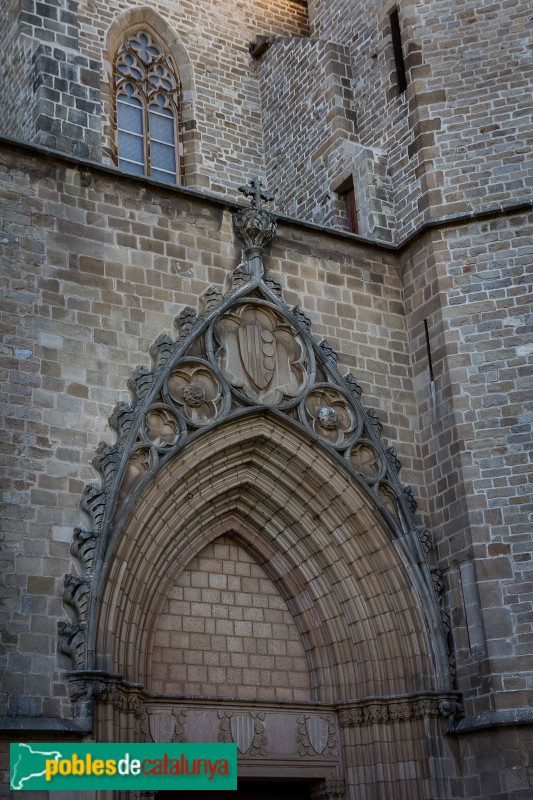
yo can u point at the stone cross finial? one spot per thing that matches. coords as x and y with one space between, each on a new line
253 190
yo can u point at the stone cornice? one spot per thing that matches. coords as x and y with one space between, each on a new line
500 718
75 727
436 223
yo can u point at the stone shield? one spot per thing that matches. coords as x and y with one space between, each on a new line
242 731
161 726
318 731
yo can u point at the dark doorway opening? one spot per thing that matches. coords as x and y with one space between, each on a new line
248 790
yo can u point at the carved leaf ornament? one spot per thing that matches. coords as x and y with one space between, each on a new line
247 351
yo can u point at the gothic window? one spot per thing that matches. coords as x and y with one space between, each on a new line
147 109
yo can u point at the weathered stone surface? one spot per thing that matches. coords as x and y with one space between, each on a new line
97 265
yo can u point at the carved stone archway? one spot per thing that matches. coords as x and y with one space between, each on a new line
245 426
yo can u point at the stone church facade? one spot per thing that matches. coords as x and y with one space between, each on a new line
265 452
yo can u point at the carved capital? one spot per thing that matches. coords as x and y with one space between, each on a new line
372 712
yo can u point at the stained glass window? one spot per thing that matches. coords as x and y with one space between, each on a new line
147 108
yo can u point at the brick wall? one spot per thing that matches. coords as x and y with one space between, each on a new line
226 630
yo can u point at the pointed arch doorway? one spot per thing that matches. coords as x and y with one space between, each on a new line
255 574
256 502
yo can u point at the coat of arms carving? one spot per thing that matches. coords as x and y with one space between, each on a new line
242 731
261 354
162 725
318 732
317 735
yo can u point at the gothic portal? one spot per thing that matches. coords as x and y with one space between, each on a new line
254 562
265 444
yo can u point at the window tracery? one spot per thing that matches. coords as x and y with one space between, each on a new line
147 109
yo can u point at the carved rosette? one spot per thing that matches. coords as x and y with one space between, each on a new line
366 461
197 391
162 428
328 412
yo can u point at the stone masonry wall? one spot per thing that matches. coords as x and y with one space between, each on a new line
473 285
17 75
459 137
226 630
63 99
308 119
70 99
96 267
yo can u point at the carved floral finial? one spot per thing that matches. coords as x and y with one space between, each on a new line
255 226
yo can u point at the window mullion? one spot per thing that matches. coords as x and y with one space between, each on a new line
146 112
